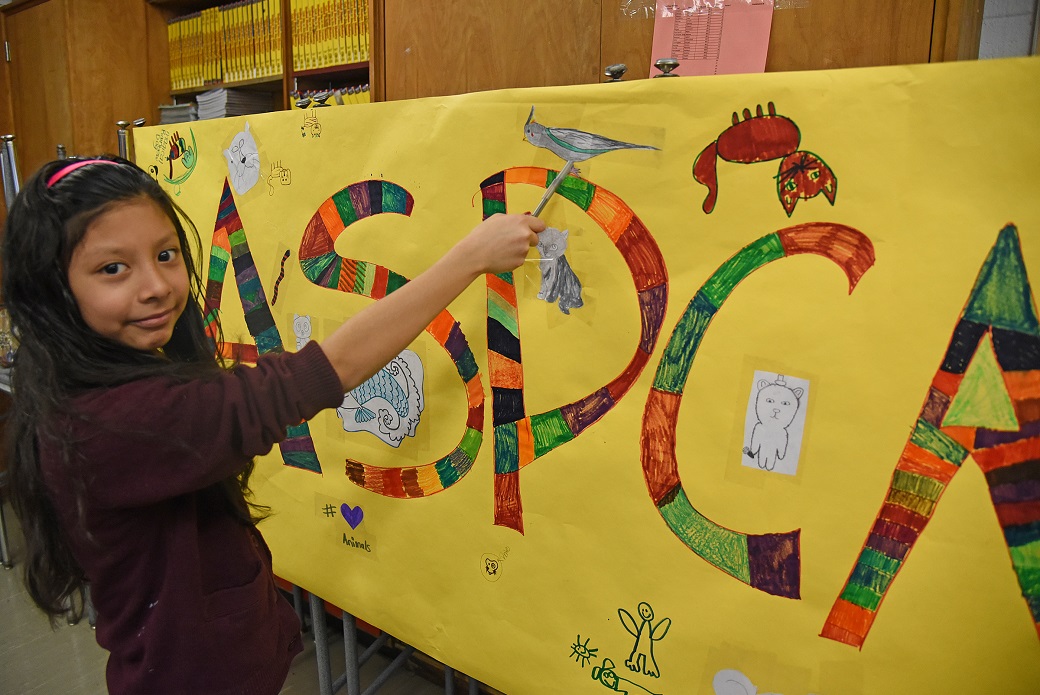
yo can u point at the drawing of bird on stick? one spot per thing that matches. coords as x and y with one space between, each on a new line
571 146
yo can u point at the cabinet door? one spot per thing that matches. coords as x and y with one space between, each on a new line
627 32
819 34
440 48
39 71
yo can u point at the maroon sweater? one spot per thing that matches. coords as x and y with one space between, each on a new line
185 598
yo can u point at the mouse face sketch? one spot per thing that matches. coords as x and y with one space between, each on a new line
243 161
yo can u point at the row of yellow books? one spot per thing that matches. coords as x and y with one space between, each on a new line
227 44
326 33
354 94
242 41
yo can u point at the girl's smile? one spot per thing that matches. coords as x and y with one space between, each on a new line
128 277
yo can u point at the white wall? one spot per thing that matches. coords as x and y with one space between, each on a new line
1008 28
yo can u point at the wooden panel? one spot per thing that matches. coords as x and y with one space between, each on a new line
158 64
109 78
627 34
847 33
377 49
439 48
957 30
39 71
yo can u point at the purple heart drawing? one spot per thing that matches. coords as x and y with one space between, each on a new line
352 515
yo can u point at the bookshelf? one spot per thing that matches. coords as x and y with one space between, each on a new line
297 45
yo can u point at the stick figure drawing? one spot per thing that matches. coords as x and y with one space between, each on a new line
642 657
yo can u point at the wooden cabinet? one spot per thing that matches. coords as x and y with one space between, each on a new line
76 68
439 48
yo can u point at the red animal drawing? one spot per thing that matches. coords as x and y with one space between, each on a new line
760 138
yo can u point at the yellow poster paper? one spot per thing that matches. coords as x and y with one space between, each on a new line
577 480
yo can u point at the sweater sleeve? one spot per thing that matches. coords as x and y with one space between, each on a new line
155 439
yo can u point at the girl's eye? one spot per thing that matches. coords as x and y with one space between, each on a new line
112 268
167 255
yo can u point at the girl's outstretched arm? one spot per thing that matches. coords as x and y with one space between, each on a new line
367 341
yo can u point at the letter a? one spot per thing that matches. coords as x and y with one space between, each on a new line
984 402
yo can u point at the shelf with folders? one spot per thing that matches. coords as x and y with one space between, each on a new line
329 34
238 44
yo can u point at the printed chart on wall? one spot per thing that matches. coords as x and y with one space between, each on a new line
712 37
760 413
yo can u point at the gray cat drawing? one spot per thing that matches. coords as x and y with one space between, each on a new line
776 405
558 279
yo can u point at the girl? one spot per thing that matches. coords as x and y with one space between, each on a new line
132 444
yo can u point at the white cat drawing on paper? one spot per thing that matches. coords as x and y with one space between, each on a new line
301 326
389 404
243 161
558 279
775 405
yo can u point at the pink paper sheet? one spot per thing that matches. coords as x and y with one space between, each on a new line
712 37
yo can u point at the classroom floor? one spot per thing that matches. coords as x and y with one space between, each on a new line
37 661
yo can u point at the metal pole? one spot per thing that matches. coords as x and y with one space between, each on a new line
449 680
121 137
5 551
321 644
352 674
9 169
383 677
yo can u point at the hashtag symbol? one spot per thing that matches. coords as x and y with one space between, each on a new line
329 510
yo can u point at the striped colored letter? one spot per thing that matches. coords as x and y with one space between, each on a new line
768 562
326 268
984 402
521 438
230 245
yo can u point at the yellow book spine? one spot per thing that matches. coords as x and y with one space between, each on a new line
240 41
304 34
215 44
204 54
364 30
276 33
319 33
319 56
171 48
341 53
328 11
225 44
352 25
196 51
311 40
268 41
230 49
315 33
294 23
221 45
251 17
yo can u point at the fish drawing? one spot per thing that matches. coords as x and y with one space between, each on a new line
388 405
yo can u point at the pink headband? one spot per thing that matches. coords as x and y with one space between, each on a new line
60 173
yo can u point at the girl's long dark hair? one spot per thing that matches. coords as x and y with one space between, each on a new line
58 355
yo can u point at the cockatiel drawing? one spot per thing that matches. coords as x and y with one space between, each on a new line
573 145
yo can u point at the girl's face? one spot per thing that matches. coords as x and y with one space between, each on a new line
127 275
